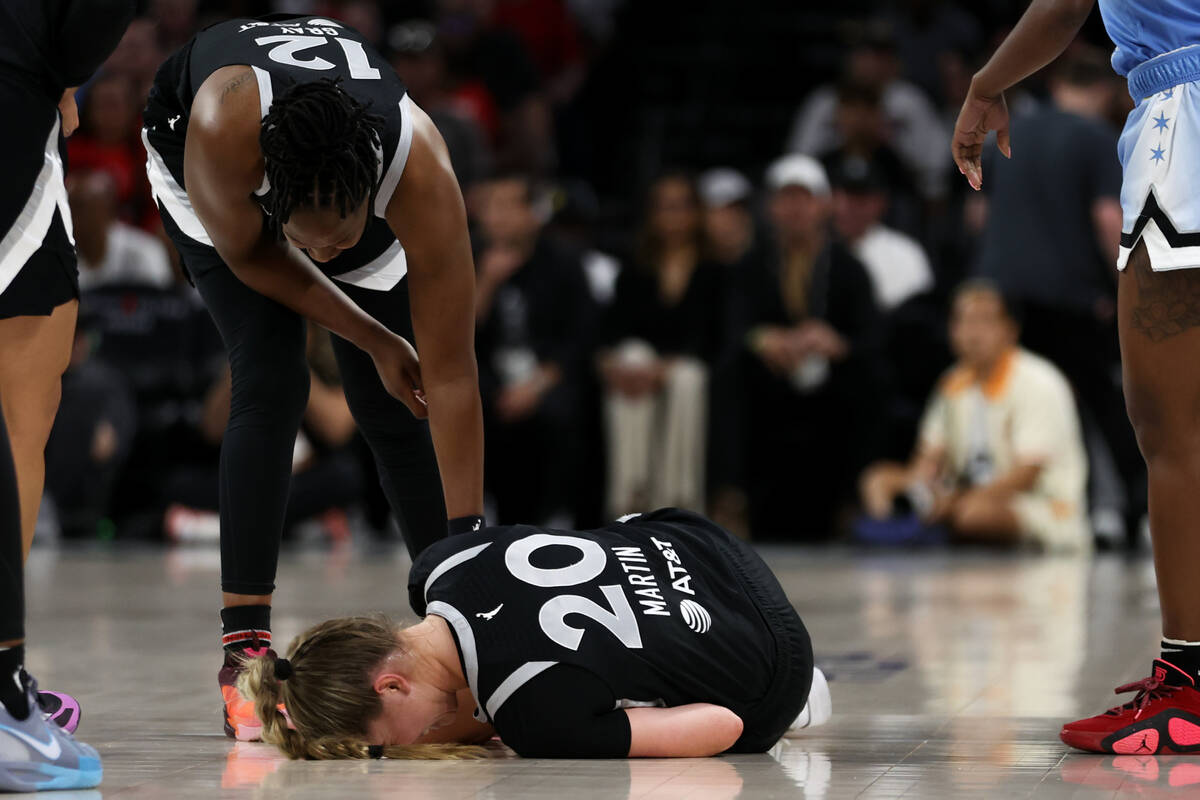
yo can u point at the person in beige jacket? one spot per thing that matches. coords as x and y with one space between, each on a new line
999 454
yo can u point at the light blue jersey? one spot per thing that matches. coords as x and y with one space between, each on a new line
1143 29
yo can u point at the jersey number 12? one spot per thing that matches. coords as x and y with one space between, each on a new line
287 47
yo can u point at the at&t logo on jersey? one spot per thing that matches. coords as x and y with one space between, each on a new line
695 616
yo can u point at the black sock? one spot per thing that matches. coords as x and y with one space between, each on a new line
245 626
12 687
1185 655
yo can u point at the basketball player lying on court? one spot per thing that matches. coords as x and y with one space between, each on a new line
658 636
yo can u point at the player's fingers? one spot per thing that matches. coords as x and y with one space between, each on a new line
1002 141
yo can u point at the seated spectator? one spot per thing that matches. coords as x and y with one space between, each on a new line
533 314
728 221
809 368
90 441
661 335
326 477
896 262
914 327
108 141
912 123
1000 456
864 149
490 67
110 251
419 60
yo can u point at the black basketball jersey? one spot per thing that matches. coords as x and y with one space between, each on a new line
46 46
655 607
284 50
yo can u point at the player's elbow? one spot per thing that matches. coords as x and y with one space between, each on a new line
726 731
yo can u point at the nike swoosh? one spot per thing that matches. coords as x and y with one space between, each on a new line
51 749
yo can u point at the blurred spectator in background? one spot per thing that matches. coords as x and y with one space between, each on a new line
728 221
494 70
420 62
327 479
913 126
533 314
548 32
895 261
926 30
1053 225
137 57
810 366
107 141
91 439
913 317
110 251
1000 456
863 135
177 22
661 335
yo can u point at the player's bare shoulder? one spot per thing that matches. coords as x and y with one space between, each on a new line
225 124
428 173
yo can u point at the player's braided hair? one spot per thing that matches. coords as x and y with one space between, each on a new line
321 148
327 691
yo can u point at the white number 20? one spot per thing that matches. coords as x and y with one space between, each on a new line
620 621
286 47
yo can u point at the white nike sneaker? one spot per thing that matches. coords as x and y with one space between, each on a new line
36 754
817 710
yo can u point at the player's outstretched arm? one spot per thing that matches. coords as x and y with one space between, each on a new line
222 166
427 214
1042 34
692 731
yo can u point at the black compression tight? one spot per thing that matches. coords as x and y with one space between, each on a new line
266 342
12 573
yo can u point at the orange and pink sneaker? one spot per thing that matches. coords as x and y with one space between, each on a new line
1163 717
241 722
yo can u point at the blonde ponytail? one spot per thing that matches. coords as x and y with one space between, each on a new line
328 694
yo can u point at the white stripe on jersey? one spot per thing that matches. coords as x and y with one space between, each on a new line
30 227
466 644
387 187
381 274
266 96
519 677
450 563
172 196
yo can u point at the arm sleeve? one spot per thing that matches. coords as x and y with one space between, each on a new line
565 712
84 33
932 432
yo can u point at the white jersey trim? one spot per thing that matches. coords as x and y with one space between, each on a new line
266 96
466 643
172 196
387 187
519 677
381 274
453 561
29 230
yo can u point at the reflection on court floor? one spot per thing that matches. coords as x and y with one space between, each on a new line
950 675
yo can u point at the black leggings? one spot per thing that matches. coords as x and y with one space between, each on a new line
266 342
12 572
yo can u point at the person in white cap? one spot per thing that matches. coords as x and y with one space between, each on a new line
728 221
808 315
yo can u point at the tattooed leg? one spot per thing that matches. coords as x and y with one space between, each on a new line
1159 320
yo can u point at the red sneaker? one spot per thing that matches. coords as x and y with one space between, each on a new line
1163 717
241 722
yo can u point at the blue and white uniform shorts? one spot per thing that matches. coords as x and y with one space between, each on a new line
1160 160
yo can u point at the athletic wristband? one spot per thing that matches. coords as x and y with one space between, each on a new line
465 524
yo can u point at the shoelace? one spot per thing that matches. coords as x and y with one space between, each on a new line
1148 690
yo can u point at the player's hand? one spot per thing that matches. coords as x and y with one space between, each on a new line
400 370
979 115
69 111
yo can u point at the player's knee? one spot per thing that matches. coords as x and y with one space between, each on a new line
1164 429
279 390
